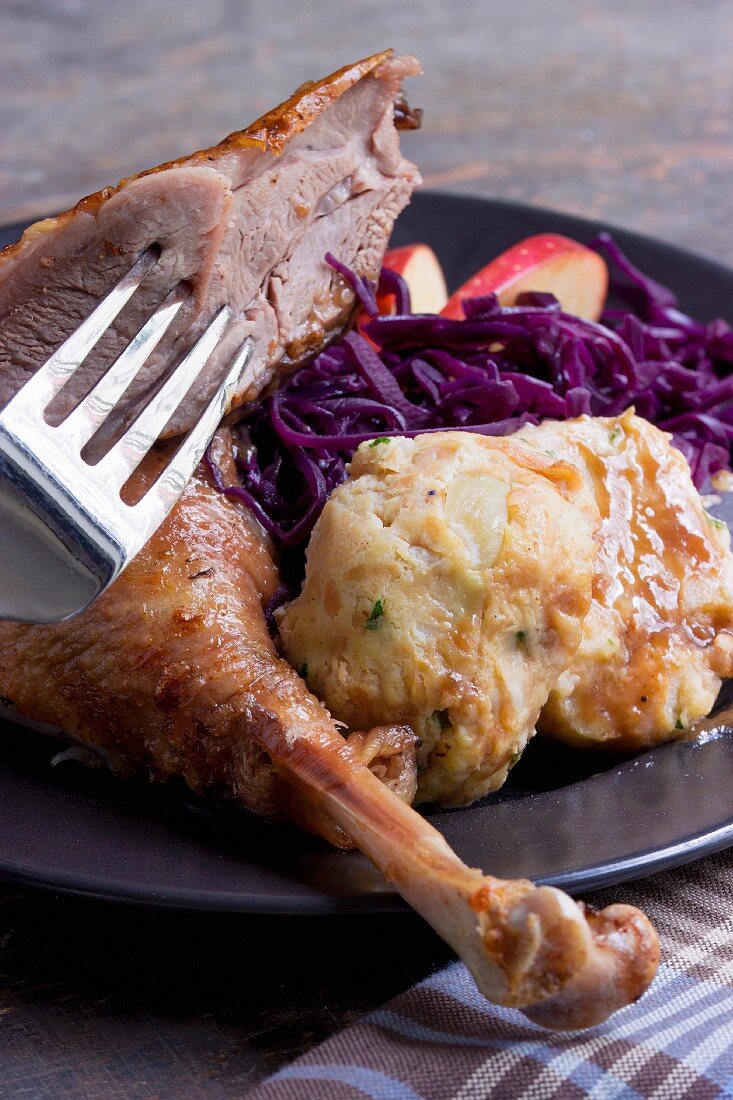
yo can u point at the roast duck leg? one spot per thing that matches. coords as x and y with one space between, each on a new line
172 672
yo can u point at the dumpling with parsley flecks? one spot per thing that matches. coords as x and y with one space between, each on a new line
446 585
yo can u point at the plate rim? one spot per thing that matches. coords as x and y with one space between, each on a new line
597 877
600 875
429 193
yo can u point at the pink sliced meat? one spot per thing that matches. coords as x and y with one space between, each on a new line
247 223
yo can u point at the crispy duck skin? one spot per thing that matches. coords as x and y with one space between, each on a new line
246 223
172 672
159 671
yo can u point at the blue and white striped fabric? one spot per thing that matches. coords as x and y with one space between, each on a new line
442 1041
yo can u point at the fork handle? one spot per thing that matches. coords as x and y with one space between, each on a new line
41 579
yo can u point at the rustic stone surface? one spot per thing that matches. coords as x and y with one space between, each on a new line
104 1001
619 110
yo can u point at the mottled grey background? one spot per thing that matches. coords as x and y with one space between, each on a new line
622 109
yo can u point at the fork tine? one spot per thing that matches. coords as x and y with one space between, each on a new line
81 424
43 386
160 498
125 456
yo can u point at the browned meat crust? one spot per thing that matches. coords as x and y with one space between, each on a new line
268 133
246 222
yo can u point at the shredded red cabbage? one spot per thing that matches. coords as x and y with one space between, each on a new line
495 370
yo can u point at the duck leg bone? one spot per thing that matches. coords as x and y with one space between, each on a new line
565 965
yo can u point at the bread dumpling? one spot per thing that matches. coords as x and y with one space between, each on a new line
446 585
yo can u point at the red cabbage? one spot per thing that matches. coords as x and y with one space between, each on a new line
363 290
492 372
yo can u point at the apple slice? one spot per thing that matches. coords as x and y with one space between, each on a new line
576 275
419 267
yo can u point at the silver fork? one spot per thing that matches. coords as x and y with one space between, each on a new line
65 531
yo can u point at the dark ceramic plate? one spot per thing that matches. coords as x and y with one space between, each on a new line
570 819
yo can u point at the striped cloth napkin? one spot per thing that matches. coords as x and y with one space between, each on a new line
442 1041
